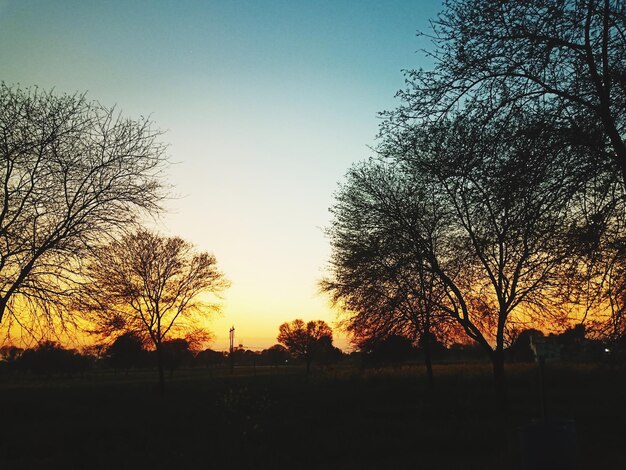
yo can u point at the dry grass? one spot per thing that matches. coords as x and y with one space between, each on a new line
342 418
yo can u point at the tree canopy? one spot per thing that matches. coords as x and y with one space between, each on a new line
567 56
308 341
151 285
497 194
72 173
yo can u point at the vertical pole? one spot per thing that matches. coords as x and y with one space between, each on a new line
232 349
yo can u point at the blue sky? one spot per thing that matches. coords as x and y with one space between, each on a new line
265 105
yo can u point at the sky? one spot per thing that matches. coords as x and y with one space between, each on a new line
264 106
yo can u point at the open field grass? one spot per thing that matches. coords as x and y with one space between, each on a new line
279 418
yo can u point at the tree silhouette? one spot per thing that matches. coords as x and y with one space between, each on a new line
570 54
10 353
391 350
307 341
126 351
508 208
596 275
325 353
209 358
384 288
276 355
482 209
520 350
176 352
148 283
50 358
73 172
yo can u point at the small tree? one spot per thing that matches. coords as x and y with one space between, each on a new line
393 349
383 286
150 284
306 341
520 350
176 352
210 358
126 351
275 355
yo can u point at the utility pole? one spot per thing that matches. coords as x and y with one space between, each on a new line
232 349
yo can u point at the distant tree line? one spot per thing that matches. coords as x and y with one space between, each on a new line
129 353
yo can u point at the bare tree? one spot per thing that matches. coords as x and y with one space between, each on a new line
383 287
596 275
306 340
476 213
570 54
71 173
152 285
508 192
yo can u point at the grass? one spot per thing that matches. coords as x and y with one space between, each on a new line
279 418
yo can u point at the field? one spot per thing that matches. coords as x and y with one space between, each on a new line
279 418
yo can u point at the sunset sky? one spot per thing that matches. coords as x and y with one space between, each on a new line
264 105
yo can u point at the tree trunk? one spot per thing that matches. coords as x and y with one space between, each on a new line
428 359
499 376
159 354
308 365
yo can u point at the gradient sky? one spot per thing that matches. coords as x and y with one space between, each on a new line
265 105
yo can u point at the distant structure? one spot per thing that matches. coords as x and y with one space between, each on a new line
545 348
232 349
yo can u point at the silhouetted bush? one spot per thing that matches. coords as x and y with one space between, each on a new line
391 350
438 350
210 358
10 353
176 352
245 357
471 352
275 355
520 350
50 358
126 352
327 354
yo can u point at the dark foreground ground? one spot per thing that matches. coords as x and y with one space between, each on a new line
279 418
